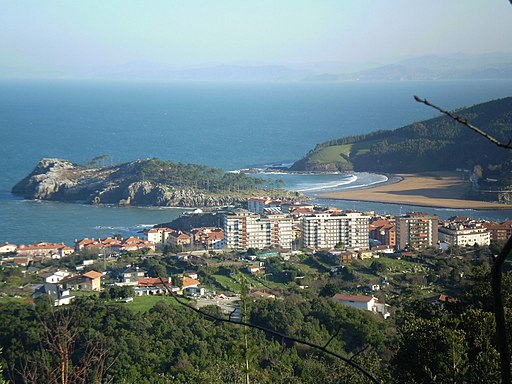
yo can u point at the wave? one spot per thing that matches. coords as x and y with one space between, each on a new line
384 180
453 209
131 229
329 185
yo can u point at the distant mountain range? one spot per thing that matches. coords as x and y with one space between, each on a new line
449 67
433 67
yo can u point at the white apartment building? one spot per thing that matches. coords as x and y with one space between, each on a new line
244 229
463 235
158 235
326 230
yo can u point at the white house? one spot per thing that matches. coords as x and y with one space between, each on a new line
369 303
57 294
56 277
8 248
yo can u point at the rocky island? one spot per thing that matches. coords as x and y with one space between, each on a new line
150 182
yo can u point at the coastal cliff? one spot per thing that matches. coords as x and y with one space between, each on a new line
149 182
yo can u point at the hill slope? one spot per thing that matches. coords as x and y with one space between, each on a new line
436 144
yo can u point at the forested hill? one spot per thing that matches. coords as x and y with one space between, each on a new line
142 182
436 144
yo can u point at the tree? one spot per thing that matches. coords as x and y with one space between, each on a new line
378 267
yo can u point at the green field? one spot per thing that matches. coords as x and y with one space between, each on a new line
228 283
332 154
340 153
145 303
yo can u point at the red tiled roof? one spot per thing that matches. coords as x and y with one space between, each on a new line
187 282
93 274
358 298
152 281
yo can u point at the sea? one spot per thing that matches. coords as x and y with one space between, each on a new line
229 126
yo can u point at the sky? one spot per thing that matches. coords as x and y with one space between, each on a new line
63 36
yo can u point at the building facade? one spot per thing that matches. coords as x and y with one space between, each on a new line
464 235
416 230
384 231
327 230
499 231
243 229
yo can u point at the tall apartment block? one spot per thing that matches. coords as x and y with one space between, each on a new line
417 230
243 229
326 230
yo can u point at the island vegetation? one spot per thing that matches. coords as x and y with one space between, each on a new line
143 182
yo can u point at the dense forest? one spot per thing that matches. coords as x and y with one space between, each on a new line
95 340
185 175
436 144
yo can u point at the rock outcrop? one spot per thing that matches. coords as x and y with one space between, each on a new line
62 180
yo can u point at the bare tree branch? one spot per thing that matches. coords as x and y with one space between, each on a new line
465 122
274 333
333 337
359 352
497 266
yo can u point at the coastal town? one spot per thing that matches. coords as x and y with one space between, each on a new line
266 240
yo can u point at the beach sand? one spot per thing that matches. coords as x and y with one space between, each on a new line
429 189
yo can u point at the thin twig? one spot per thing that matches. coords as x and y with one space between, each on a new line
333 336
359 352
275 333
465 122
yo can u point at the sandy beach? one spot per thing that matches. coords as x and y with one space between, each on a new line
429 189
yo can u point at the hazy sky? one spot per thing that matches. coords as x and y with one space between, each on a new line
61 35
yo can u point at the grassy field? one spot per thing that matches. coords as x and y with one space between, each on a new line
392 265
9 300
228 283
332 154
339 153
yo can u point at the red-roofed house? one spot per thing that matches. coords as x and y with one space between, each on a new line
135 244
45 249
188 282
179 238
89 281
383 231
152 286
208 237
158 235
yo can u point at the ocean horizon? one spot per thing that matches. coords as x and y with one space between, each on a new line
229 126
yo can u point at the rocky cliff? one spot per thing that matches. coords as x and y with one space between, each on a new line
125 184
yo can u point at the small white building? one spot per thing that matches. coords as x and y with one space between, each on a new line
56 277
158 235
58 295
369 303
8 248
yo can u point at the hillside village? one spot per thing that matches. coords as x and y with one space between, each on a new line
357 258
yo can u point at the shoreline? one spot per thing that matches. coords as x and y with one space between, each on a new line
439 189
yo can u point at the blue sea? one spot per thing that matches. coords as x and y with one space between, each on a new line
230 126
